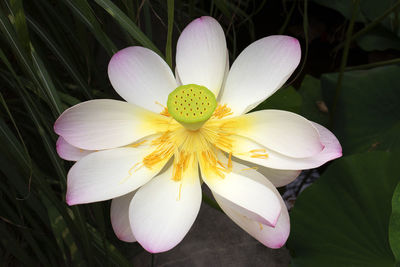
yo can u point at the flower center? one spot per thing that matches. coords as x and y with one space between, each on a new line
191 105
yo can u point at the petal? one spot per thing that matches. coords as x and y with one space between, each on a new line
141 77
69 152
201 54
332 149
284 132
251 198
273 237
108 174
243 147
104 123
277 177
120 217
226 72
261 69
163 210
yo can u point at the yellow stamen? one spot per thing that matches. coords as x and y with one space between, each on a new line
250 168
179 194
222 111
137 144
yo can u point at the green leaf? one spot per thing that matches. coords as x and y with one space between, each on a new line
394 225
313 107
126 23
284 99
343 218
368 109
379 39
84 12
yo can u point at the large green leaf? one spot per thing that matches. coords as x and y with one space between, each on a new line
313 107
343 218
394 226
379 39
368 109
284 99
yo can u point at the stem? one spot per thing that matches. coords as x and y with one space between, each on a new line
343 62
168 47
288 17
375 64
368 27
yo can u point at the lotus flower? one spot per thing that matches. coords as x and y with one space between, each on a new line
151 153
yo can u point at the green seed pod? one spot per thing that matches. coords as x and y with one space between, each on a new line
191 105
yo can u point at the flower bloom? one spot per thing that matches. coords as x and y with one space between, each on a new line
152 153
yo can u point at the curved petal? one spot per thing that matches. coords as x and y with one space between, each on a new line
226 72
250 197
108 174
273 237
251 151
282 131
332 149
104 123
277 177
120 217
201 54
69 152
261 69
163 210
141 77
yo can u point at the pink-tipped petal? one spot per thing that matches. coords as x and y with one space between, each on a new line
108 174
282 131
273 237
272 159
162 211
104 123
120 217
201 54
69 152
141 77
261 69
332 147
276 176
251 198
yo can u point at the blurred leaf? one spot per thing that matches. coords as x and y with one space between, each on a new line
373 9
313 107
394 226
127 24
379 39
368 109
84 12
344 7
284 99
343 218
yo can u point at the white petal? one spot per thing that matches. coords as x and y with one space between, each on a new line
226 72
261 69
272 159
251 198
120 217
108 174
282 131
104 123
273 237
163 210
332 149
277 177
141 77
201 54
69 152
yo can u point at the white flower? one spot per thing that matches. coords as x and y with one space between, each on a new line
139 155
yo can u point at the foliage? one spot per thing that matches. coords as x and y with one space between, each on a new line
54 54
